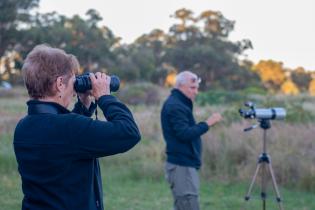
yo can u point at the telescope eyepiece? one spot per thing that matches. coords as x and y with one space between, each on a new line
249 104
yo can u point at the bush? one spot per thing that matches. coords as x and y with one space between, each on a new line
254 91
298 108
140 93
215 97
297 114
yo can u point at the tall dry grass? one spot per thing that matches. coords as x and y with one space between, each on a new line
231 154
228 153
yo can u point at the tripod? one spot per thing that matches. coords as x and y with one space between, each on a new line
264 162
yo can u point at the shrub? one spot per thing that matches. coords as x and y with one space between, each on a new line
140 93
297 114
215 97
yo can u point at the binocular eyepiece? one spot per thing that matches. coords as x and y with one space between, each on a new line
83 83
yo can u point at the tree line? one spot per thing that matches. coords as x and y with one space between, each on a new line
196 42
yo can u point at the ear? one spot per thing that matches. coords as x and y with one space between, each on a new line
59 84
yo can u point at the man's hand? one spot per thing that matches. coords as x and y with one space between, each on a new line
213 119
100 84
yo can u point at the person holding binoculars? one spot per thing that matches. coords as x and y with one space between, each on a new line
57 150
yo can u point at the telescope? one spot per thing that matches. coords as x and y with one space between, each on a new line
276 113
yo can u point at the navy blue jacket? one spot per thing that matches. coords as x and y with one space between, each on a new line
57 152
180 131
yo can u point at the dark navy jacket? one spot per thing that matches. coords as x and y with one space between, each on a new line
57 153
180 131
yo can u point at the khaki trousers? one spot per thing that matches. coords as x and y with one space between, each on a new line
184 183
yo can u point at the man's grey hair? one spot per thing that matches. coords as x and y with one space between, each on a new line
183 78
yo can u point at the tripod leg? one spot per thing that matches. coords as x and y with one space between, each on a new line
263 193
247 197
275 186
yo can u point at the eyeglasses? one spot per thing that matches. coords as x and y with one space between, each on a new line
195 79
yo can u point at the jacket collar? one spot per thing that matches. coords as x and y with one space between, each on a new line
178 94
43 107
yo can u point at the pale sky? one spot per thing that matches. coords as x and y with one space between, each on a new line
282 30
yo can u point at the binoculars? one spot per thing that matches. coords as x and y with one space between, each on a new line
83 83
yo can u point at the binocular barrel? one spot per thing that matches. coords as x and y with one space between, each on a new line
83 83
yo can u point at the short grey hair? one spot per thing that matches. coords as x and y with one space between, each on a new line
183 77
43 65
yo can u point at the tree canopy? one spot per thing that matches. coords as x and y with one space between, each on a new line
199 43
13 14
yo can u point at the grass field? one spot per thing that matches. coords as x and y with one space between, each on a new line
129 187
135 180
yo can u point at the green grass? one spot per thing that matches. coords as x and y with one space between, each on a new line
13 106
135 181
10 191
126 189
124 193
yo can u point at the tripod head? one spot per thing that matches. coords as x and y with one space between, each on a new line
263 123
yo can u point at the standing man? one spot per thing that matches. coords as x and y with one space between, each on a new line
183 143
